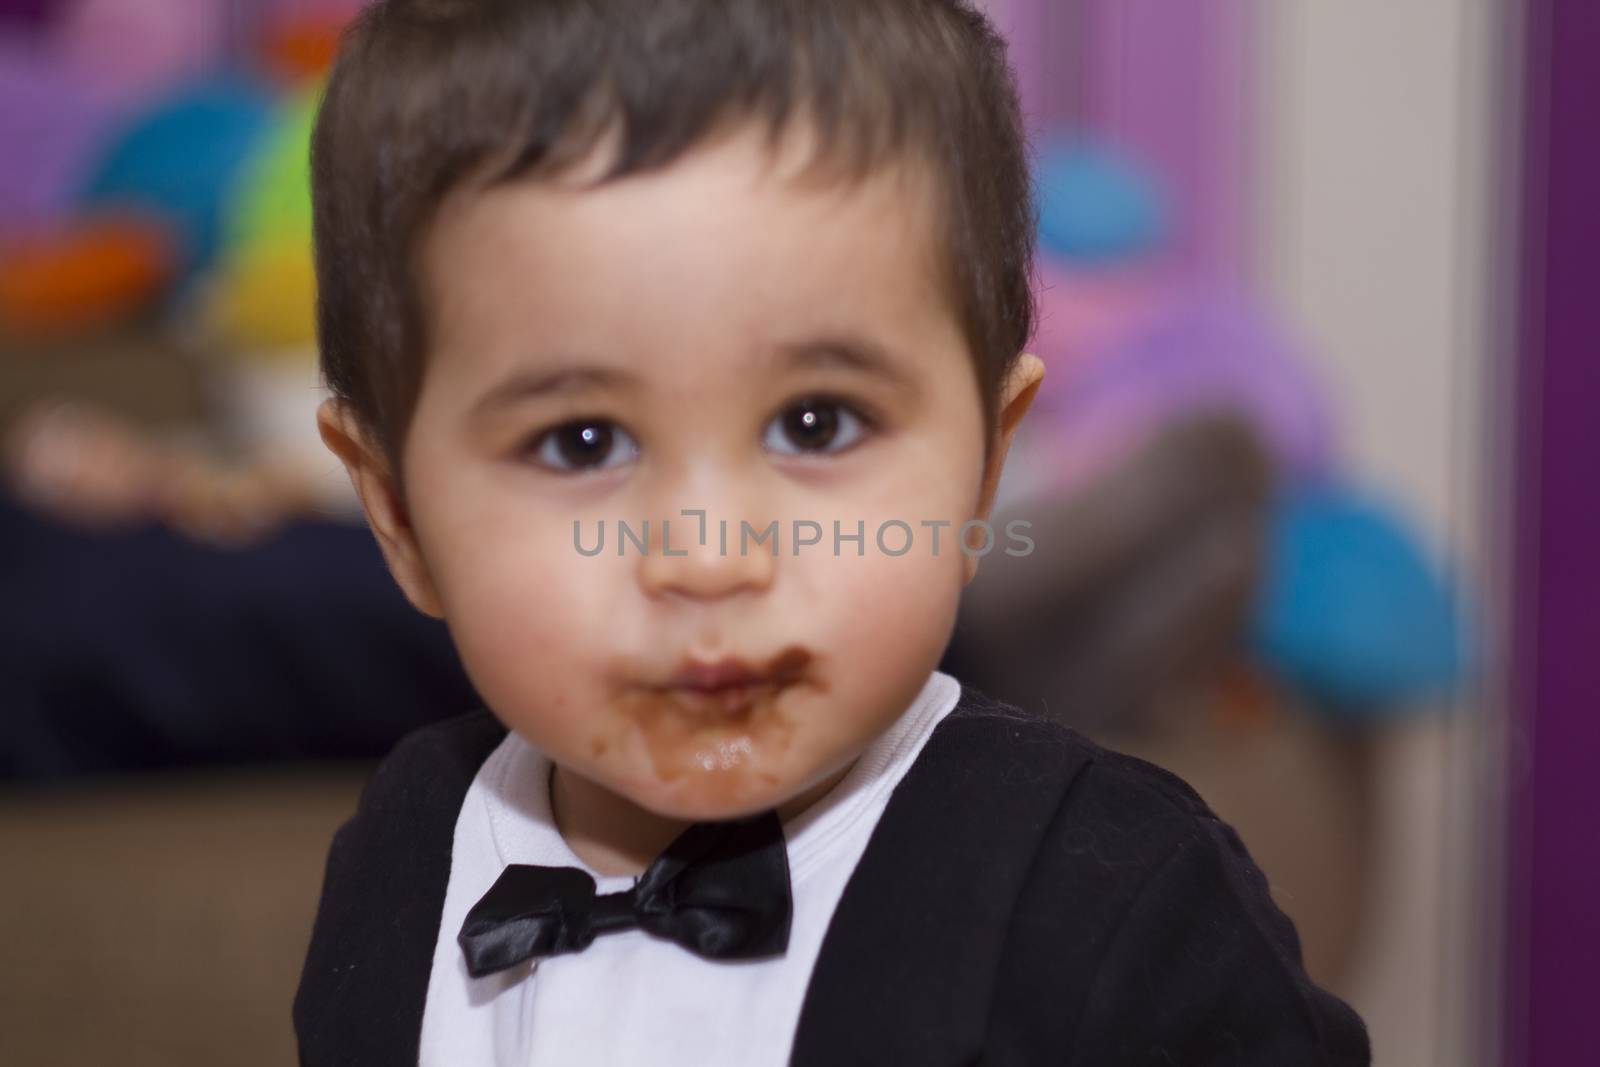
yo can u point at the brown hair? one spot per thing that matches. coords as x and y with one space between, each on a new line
428 94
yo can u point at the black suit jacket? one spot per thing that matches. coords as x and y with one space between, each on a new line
1028 897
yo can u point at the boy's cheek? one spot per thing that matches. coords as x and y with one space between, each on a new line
480 557
883 603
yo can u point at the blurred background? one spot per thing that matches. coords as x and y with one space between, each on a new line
1308 474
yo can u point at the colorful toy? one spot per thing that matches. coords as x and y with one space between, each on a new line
302 48
188 115
1181 352
1351 612
1095 207
177 159
87 277
265 285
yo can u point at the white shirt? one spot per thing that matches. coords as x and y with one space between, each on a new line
631 998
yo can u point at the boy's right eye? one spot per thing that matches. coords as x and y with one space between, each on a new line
584 445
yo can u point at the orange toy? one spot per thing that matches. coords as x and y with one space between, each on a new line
96 273
302 49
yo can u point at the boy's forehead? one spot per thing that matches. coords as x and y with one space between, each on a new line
793 160
844 284
726 192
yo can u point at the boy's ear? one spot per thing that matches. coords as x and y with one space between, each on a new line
374 483
1016 396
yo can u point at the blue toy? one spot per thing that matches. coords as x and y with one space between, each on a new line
1350 611
179 159
1096 208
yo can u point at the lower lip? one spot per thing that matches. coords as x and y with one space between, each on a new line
722 733
727 704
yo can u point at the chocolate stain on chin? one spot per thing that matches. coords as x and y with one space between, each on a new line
716 738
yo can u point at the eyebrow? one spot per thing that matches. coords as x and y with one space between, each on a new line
855 354
555 381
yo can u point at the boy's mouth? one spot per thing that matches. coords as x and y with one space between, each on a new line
719 716
728 688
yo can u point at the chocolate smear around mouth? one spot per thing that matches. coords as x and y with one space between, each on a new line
716 733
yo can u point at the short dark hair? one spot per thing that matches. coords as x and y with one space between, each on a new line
427 94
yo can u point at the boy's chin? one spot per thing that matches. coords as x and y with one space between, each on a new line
716 797
719 795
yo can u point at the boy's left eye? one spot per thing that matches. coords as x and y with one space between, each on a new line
816 425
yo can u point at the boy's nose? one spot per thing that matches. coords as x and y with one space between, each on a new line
704 560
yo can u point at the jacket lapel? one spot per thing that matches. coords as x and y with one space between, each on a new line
908 966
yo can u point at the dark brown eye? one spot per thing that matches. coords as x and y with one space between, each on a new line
584 445
815 425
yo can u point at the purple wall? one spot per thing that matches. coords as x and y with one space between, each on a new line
1172 83
1553 929
1169 83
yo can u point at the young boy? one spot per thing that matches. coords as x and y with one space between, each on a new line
677 348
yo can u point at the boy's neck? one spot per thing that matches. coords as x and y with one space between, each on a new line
615 836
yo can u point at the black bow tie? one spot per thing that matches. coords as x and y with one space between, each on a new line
721 889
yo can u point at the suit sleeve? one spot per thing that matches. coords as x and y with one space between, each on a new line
1206 970
365 981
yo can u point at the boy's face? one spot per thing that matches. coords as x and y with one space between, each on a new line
712 336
